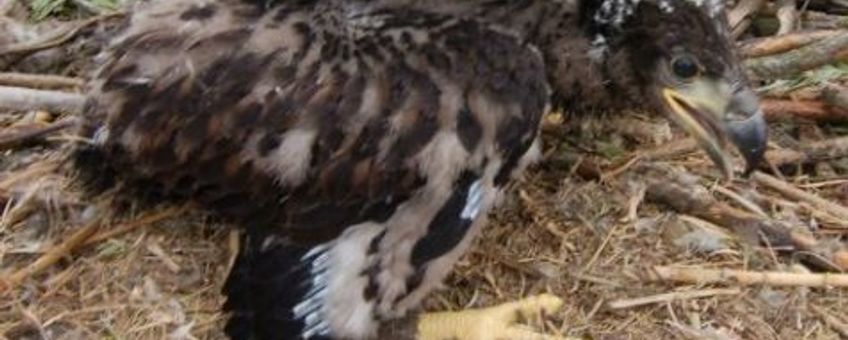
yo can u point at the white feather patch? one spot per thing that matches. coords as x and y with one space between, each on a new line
290 161
312 310
334 304
474 201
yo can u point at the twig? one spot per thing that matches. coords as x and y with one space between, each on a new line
39 81
678 189
836 95
739 16
696 275
791 191
787 15
796 61
643 131
759 47
14 139
55 38
50 257
669 297
781 109
744 202
21 99
814 152
838 325
813 19
148 219
670 150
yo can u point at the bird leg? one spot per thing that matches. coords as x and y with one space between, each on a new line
498 322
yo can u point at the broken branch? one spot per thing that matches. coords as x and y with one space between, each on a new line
739 17
759 47
810 153
836 95
694 275
147 219
799 60
831 320
791 191
25 135
55 38
782 109
21 99
39 81
680 190
787 15
669 297
50 257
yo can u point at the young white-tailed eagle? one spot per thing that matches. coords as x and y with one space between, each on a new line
360 144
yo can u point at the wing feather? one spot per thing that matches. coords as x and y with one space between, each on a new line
306 115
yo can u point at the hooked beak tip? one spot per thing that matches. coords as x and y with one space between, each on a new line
750 137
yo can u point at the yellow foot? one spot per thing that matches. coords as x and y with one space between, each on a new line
498 322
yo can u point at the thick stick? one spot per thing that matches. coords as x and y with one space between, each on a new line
791 191
147 219
39 81
787 15
669 297
11 140
55 38
759 47
21 99
739 17
678 189
814 152
49 258
782 109
798 60
836 95
831 320
743 277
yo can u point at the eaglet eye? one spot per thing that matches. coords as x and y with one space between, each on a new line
685 67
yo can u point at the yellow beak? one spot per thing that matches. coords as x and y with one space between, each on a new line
712 113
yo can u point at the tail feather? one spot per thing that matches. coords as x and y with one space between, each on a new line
263 288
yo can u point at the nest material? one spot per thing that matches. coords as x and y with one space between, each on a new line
631 226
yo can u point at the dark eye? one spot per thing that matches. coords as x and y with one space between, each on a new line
684 67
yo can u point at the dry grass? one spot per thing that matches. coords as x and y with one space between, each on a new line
559 230
555 232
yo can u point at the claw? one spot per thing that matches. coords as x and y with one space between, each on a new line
496 322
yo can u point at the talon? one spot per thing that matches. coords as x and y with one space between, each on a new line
496 322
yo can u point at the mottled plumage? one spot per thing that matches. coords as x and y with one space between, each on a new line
361 143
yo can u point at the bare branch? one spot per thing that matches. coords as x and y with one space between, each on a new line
10 140
669 297
787 15
836 95
782 109
744 277
759 47
791 191
680 190
49 258
21 99
55 38
39 81
810 153
739 16
799 60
